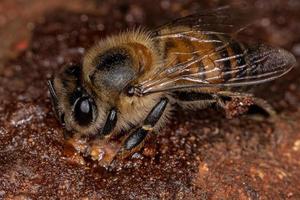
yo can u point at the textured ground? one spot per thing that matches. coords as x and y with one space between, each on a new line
199 155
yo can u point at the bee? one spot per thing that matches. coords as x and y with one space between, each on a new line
128 84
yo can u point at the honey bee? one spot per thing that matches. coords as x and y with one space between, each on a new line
129 83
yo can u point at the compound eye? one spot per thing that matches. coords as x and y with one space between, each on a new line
83 111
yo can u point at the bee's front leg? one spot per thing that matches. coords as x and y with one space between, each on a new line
135 140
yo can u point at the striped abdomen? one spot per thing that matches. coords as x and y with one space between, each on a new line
210 54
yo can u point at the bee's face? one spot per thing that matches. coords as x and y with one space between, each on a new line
76 107
85 98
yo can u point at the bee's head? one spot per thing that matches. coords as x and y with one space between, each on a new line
74 105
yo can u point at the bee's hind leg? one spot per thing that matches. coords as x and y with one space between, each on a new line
135 140
233 103
223 97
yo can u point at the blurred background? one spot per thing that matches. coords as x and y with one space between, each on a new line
199 155
18 17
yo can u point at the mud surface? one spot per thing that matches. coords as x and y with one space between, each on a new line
199 155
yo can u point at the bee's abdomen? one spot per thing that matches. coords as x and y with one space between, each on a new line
229 57
216 54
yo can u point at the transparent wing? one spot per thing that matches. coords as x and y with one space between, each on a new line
262 64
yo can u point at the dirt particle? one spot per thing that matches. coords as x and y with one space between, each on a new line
296 146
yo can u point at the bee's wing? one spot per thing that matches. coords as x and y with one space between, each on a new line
253 65
263 64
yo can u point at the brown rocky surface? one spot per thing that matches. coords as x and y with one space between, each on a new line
199 155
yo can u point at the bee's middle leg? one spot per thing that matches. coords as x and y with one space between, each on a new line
135 139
